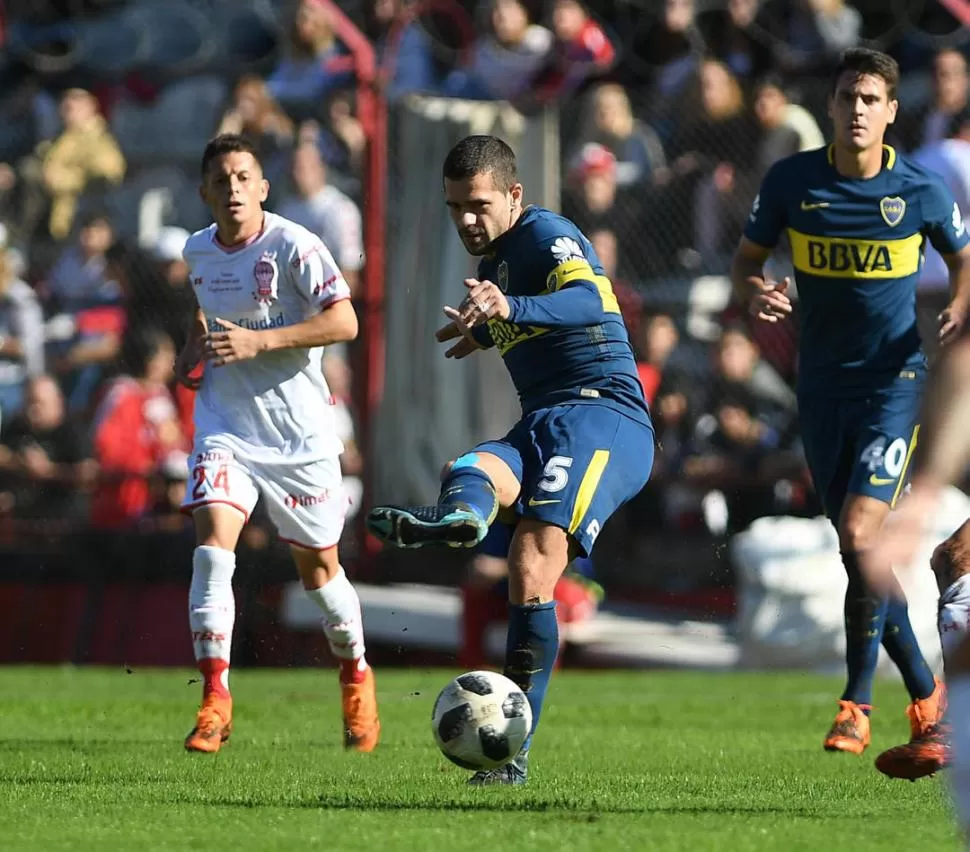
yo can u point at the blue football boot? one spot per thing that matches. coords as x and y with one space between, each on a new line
420 526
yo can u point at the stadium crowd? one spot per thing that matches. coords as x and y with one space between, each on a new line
669 116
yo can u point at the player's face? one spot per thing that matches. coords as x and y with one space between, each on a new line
481 211
861 110
235 189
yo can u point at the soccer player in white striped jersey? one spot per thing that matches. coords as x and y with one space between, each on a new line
269 298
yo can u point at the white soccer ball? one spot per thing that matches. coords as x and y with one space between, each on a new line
480 720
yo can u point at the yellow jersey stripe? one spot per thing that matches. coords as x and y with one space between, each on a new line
587 488
831 257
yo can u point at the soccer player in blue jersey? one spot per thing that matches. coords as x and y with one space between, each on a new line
856 215
584 445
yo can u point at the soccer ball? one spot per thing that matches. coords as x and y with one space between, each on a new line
480 720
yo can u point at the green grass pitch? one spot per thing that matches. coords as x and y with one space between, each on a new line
93 759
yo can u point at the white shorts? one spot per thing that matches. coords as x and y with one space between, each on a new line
306 502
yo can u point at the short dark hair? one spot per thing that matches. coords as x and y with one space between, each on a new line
476 155
862 60
227 143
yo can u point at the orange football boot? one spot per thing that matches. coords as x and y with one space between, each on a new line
212 725
850 730
362 727
928 749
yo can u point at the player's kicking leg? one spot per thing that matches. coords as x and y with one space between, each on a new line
951 565
591 461
472 491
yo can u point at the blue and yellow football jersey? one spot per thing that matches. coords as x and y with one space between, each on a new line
857 247
555 352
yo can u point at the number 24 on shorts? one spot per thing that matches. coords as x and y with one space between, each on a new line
220 482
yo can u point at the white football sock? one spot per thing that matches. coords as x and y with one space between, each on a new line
342 622
212 607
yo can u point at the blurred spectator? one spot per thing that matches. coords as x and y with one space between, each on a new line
715 162
337 373
403 48
949 158
136 428
787 128
178 300
44 458
314 63
595 202
91 316
342 141
673 46
326 211
817 32
743 442
85 155
581 50
657 339
256 114
951 86
738 361
610 122
505 60
742 36
21 336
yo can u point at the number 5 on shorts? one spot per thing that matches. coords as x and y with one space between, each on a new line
555 474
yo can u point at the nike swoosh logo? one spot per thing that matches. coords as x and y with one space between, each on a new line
878 480
534 502
818 206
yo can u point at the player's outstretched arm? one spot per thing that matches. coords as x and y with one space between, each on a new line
576 304
766 300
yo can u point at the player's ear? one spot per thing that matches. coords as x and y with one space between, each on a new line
263 189
203 194
516 192
893 108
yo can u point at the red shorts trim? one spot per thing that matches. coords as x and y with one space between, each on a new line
315 547
189 508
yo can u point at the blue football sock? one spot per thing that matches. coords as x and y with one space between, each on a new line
865 618
900 643
530 653
468 487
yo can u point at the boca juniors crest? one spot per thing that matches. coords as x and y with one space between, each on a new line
892 209
503 277
266 274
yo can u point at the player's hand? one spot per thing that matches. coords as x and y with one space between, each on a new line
188 359
447 332
772 303
952 321
484 301
234 343
456 328
900 538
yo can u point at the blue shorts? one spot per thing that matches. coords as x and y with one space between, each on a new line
862 445
577 464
